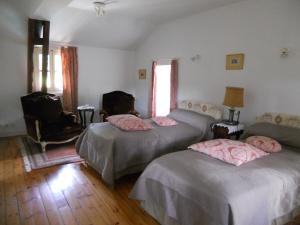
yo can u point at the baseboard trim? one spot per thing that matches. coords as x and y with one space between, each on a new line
12 133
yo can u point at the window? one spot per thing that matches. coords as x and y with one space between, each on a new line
54 71
163 89
164 85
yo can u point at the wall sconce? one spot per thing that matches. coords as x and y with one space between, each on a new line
195 58
284 52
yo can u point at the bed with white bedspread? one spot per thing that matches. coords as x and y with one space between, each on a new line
114 153
191 188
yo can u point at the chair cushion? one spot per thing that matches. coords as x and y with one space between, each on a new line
57 132
51 109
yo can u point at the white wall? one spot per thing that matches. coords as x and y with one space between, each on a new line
258 28
12 86
103 70
13 54
100 70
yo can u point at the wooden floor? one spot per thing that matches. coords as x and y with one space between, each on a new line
68 194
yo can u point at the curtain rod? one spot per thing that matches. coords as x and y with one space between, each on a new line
175 58
59 44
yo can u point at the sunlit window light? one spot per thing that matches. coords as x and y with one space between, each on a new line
54 72
163 89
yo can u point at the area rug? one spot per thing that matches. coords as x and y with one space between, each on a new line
34 158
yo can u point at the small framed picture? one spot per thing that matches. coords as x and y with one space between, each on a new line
142 74
235 61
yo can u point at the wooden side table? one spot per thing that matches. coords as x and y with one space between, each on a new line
82 110
222 130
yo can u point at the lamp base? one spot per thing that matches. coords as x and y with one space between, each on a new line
232 123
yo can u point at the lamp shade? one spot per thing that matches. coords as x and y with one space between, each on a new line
234 97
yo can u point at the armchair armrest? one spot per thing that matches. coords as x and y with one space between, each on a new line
103 114
134 112
30 118
69 117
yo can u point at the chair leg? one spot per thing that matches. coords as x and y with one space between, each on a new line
43 144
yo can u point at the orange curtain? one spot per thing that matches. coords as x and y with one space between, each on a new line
70 78
152 100
174 84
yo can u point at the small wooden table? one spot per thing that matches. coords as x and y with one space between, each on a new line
222 130
82 110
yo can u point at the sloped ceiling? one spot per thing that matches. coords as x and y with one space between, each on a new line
125 25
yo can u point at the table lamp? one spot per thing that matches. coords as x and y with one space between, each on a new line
234 97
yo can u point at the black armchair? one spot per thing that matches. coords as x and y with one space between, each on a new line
117 102
46 122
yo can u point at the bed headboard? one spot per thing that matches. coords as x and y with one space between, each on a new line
280 119
203 108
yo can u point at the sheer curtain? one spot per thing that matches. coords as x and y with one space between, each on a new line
70 78
152 100
174 84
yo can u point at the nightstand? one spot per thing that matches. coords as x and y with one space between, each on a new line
222 130
82 110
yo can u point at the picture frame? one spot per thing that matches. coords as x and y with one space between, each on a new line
142 74
235 61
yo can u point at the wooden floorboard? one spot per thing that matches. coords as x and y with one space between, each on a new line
62 195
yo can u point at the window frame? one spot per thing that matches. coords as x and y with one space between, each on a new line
157 84
51 62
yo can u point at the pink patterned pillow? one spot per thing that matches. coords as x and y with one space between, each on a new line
264 143
128 122
233 152
164 121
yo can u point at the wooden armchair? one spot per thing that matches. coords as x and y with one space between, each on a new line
117 102
46 122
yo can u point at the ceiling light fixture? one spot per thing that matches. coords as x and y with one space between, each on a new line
99 8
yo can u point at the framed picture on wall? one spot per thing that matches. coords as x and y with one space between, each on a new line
235 61
142 74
